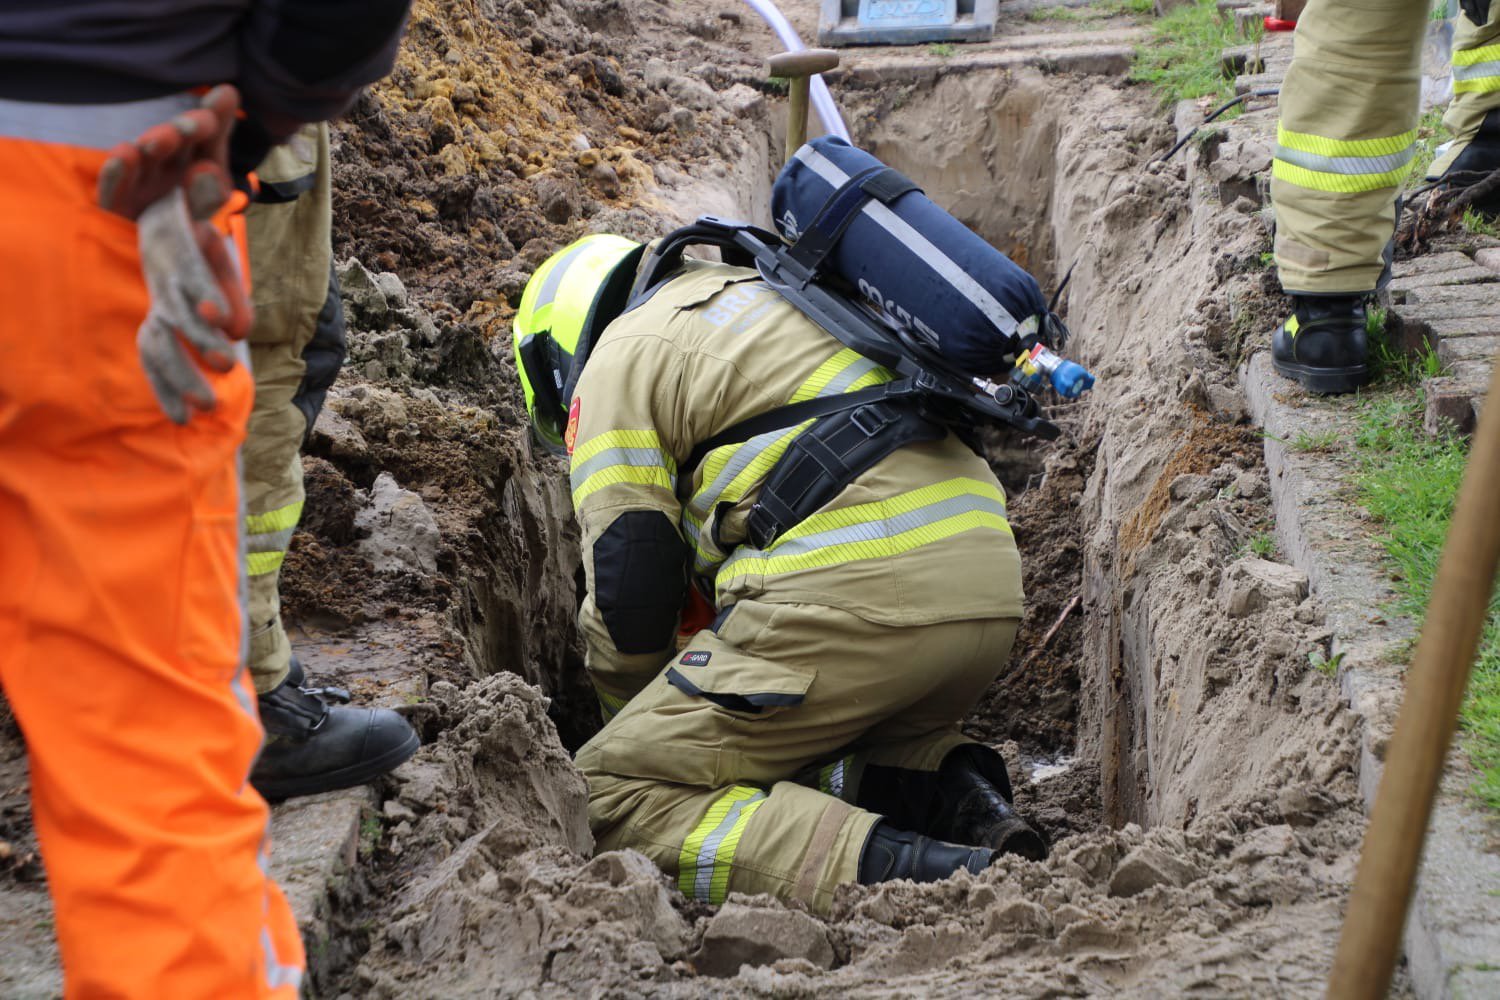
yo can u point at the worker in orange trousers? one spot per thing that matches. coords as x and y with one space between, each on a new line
123 403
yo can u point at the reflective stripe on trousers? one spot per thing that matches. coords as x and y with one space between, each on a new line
267 537
1340 165
1476 70
708 852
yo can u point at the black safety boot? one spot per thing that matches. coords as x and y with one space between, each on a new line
312 746
1323 344
894 854
975 795
1479 159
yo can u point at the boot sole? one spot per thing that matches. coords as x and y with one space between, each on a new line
1325 381
280 789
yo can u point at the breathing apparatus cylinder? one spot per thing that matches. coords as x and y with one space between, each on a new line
908 257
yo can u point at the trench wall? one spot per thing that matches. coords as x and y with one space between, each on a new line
1184 708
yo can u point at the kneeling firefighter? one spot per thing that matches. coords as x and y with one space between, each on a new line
808 736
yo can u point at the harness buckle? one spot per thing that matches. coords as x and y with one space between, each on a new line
872 418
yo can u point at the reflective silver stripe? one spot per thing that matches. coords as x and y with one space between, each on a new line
870 531
92 126
857 369
1476 71
920 245
704 501
836 778
554 278
278 975
273 541
242 588
1346 164
703 878
639 457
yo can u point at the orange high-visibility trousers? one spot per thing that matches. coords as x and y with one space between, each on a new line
121 626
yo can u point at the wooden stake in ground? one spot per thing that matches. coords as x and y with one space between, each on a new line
1371 938
799 67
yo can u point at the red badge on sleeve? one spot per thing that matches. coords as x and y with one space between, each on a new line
570 436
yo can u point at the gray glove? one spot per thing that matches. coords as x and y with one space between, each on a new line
187 307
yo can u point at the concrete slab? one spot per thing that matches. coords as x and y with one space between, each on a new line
29 968
314 847
1109 59
1436 271
1452 937
1452 350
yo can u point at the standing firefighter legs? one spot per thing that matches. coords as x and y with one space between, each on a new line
752 764
1345 142
289 261
1474 115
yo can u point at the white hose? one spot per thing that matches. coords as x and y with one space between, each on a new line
822 100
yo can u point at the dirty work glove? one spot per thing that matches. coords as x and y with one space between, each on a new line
172 180
1477 11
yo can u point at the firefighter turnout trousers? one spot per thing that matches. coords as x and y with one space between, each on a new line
843 653
760 759
1348 133
296 300
122 629
1476 89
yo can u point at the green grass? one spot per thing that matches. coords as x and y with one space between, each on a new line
1316 441
1328 666
1429 137
1392 366
1263 544
1478 224
1184 59
1408 482
1063 14
942 50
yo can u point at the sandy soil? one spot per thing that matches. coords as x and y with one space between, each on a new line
1205 828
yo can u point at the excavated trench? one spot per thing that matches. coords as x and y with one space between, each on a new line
1194 775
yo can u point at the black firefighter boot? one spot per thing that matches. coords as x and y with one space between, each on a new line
892 854
312 746
1478 160
975 795
1323 345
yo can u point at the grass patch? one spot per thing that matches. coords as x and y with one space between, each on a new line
1477 224
1328 666
1408 482
1063 14
1429 137
1389 364
1316 441
942 50
1093 11
1184 59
